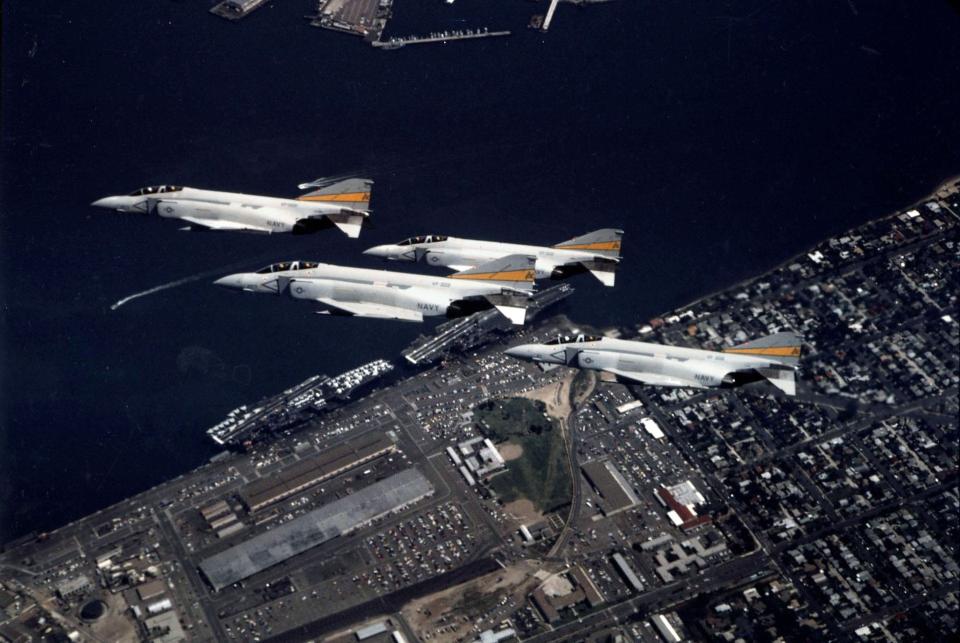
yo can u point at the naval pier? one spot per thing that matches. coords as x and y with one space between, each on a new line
443 36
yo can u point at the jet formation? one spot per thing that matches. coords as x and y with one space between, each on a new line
344 204
597 252
488 274
774 358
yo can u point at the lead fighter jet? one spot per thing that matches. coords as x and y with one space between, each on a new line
774 358
597 252
344 204
505 284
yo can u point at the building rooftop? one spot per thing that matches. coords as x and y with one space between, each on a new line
310 471
314 528
610 483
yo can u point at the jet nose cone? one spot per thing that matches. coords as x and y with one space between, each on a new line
523 351
378 251
237 281
112 202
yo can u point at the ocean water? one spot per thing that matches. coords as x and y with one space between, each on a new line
723 137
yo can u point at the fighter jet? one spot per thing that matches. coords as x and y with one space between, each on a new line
597 252
505 284
344 204
774 358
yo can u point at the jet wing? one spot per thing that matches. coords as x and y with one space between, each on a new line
378 311
219 224
656 379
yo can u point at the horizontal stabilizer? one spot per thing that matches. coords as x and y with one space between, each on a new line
605 242
605 270
349 222
516 314
607 278
513 270
353 194
783 348
783 379
377 311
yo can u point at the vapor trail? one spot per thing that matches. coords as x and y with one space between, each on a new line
150 291
179 282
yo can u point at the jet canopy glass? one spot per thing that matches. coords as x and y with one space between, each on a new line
284 266
429 238
573 339
156 189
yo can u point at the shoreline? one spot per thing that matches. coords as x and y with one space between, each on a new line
952 183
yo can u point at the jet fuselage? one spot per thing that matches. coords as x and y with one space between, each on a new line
673 366
215 210
380 293
552 262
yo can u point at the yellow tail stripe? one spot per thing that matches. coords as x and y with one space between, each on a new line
596 245
350 197
775 351
510 275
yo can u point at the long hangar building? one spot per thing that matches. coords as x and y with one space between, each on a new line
308 472
315 528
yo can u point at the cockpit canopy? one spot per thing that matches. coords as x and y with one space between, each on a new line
429 238
573 339
157 189
284 266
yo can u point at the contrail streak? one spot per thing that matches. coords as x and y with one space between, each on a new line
173 284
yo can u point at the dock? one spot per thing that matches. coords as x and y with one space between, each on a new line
365 18
443 36
295 405
549 17
236 9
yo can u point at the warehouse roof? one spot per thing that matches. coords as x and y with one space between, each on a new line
314 528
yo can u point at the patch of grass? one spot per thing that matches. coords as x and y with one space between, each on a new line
582 386
501 420
541 473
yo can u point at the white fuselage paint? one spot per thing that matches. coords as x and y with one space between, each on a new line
239 211
471 252
425 294
645 362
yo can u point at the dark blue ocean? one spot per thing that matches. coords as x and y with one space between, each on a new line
723 136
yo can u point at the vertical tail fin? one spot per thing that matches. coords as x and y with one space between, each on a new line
514 271
352 194
783 348
604 242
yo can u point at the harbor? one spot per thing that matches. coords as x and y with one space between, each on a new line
368 19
